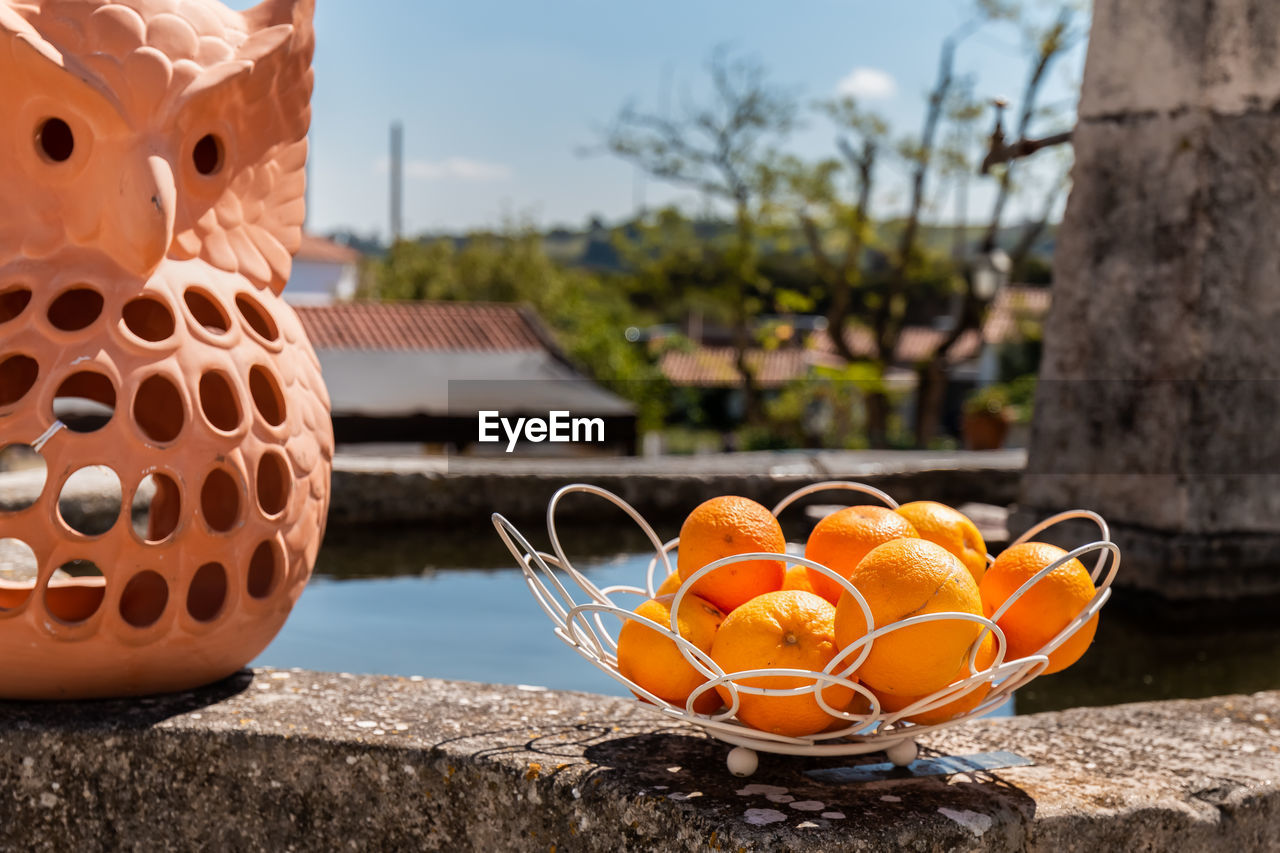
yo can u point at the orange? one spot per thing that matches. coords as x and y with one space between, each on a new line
723 527
951 529
903 578
788 629
842 539
652 659
798 578
956 707
1045 609
670 585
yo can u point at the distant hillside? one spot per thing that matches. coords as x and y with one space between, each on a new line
592 246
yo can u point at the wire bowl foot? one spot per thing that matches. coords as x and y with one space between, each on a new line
742 761
903 752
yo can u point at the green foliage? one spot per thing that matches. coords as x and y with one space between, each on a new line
824 411
1022 395
991 400
1020 355
1015 399
847 115
862 377
792 301
1034 269
799 238
683 440
678 266
675 266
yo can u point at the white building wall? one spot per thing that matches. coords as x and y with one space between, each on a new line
321 283
388 383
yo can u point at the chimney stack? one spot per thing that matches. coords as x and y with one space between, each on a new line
397 181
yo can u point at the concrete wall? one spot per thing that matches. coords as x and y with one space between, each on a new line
309 761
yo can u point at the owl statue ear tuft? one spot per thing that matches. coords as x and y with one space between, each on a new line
263 43
265 98
273 13
281 36
24 52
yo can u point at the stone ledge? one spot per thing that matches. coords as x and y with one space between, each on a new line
377 491
301 760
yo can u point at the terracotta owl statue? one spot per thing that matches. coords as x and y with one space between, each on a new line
152 177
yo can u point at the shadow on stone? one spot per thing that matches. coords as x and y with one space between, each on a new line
604 744
124 714
658 747
680 766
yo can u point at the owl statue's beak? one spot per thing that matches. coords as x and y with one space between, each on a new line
145 227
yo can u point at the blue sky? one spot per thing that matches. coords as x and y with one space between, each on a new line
498 97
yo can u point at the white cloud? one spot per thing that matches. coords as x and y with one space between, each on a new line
869 83
449 169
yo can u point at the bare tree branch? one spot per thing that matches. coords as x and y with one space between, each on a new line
1003 152
1018 255
1049 45
888 316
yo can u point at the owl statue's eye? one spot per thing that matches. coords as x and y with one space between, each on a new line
55 140
207 155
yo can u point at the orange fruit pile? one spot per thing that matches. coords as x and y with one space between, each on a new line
964 703
759 614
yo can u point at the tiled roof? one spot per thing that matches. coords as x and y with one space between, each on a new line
709 367
1012 305
454 326
712 367
915 344
321 250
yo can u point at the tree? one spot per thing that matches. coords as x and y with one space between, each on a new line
818 194
678 268
1046 43
890 315
886 310
720 148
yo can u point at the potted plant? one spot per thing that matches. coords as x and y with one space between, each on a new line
987 414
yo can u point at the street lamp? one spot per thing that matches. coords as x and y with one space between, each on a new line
991 272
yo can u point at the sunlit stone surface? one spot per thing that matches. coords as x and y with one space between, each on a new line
1160 388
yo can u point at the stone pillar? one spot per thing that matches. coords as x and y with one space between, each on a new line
1159 401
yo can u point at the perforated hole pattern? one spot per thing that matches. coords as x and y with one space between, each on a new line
182 382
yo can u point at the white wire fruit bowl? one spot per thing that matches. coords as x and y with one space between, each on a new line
579 621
